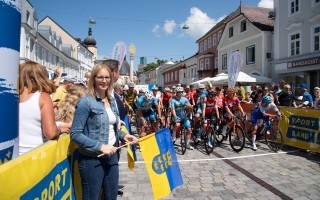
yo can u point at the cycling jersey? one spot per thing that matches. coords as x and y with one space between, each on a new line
179 106
166 98
231 102
189 96
210 105
220 100
258 110
130 96
146 107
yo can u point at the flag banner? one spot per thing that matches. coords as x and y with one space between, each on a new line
234 64
133 147
161 162
130 153
119 51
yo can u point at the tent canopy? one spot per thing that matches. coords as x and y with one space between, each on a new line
222 79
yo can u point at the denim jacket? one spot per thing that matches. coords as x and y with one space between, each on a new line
90 123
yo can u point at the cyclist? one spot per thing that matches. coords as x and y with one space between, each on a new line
165 99
144 105
231 101
173 89
200 108
141 93
260 112
157 103
178 105
210 106
131 98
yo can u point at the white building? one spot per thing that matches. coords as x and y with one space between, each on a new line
296 42
249 31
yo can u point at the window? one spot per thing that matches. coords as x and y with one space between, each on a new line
219 35
251 54
316 36
315 2
44 57
175 75
216 63
205 45
201 47
231 32
294 6
171 76
209 42
214 40
201 64
295 44
224 61
28 17
206 64
243 26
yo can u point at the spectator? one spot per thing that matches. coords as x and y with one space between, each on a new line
281 87
36 116
96 129
306 97
286 98
248 98
62 90
316 101
265 92
254 93
241 93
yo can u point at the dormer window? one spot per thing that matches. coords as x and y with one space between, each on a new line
243 26
231 32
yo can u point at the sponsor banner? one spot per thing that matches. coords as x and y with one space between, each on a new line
119 51
9 57
43 173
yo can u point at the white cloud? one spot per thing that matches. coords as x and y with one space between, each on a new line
199 23
169 26
155 30
266 3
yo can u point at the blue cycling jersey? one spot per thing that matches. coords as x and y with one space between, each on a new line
143 104
179 106
257 112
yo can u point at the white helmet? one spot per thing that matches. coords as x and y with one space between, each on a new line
126 87
180 89
173 87
167 89
130 84
201 86
154 87
148 95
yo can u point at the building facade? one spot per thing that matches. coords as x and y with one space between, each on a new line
296 42
248 30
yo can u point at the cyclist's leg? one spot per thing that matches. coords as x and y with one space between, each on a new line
175 128
187 125
254 120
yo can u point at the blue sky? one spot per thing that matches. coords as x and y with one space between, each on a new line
154 27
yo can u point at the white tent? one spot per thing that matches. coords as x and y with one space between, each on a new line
205 80
222 79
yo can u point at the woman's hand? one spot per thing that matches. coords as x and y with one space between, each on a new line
108 149
131 138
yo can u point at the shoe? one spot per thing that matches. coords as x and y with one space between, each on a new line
254 147
190 147
247 145
198 138
209 144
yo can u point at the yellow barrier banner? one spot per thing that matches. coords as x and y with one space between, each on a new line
43 173
301 128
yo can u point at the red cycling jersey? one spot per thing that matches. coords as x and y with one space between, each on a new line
231 102
166 98
220 100
189 96
210 104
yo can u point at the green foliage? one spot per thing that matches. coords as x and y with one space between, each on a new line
150 66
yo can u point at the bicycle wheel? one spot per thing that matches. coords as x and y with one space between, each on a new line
183 142
236 139
195 131
209 138
274 138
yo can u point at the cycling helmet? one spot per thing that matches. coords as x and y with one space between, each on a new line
126 87
179 85
231 90
212 93
266 99
188 87
173 87
131 85
180 89
202 86
141 90
148 95
154 87
167 89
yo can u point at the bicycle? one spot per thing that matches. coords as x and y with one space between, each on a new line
271 134
182 135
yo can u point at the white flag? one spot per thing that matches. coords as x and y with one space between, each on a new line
118 52
234 64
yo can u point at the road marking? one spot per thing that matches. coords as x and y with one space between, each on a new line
227 158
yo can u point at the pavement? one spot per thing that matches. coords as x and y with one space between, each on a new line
289 174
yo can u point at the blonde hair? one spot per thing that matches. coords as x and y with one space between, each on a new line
67 106
91 86
33 77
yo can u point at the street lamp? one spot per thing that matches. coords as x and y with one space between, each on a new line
185 27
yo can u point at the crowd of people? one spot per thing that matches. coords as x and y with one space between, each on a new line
93 110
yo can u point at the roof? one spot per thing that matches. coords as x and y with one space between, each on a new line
125 68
